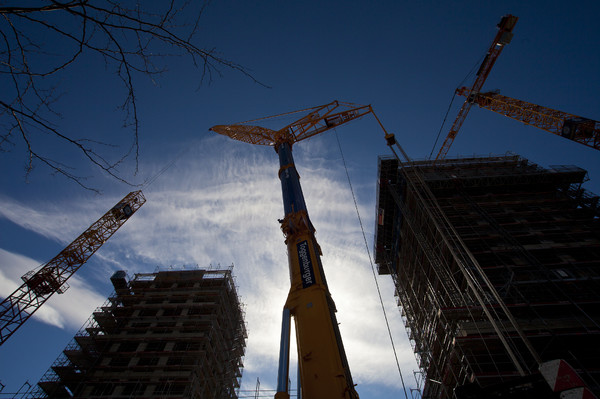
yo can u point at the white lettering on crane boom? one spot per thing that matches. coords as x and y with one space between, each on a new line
306 267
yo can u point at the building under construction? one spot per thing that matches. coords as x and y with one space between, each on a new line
170 334
496 264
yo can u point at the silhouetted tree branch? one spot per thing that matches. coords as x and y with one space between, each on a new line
42 39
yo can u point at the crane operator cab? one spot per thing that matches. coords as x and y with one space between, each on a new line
122 211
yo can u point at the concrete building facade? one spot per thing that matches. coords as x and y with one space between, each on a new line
170 334
496 264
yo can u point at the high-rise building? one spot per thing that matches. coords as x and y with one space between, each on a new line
496 264
170 334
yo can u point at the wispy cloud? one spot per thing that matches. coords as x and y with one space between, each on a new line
221 206
60 310
45 219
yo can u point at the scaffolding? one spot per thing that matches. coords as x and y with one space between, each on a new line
496 267
171 334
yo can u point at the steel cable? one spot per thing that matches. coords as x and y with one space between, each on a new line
372 266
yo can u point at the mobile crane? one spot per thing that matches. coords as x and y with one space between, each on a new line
323 366
39 285
502 38
576 128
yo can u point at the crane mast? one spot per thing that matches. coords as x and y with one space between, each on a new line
502 38
323 366
576 128
38 286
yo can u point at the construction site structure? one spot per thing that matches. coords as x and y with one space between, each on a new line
39 285
496 266
573 127
502 38
323 367
170 334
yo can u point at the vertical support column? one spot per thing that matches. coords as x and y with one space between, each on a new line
324 371
284 356
293 199
298 384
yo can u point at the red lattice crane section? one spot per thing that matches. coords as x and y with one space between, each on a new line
576 128
52 277
503 37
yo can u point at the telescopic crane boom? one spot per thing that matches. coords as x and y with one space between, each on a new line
576 128
52 277
503 37
324 370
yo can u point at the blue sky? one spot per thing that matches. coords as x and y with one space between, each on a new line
220 201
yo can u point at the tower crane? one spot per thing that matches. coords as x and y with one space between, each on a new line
576 128
39 285
323 366
502 38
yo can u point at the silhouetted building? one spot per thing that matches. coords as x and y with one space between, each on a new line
170 334
496 263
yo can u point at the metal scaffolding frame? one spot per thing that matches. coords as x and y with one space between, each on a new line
171 334
495 266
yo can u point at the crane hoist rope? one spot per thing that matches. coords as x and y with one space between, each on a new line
454 95
277 115
443 123
362 229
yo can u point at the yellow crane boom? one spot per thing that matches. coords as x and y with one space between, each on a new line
318 120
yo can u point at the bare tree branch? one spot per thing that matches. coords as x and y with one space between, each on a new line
130 35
